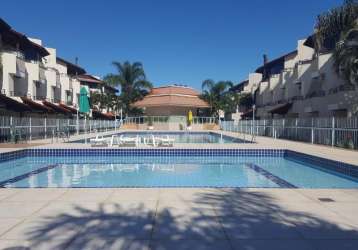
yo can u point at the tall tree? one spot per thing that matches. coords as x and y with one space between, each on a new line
337 30
217 95
346 57
132 81
106 101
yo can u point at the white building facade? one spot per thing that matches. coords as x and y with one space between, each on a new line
34 78
302 83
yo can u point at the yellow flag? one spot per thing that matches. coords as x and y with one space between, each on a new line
190 116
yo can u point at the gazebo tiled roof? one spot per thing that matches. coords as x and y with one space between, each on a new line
173 95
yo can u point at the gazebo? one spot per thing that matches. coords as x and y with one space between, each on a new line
171 100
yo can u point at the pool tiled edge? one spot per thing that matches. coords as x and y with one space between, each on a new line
327 164
156 152
331 165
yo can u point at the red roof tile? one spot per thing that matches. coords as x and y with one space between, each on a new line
89 78
172 96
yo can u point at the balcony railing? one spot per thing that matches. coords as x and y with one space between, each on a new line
69 102
17 93
55 100
39 98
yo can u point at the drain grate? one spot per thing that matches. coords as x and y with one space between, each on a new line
326 200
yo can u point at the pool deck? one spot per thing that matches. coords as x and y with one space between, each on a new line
250 219
183 218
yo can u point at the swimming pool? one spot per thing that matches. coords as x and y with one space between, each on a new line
174 168
184 137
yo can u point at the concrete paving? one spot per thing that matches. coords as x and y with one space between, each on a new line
240 219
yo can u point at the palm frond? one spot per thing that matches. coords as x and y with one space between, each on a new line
133 83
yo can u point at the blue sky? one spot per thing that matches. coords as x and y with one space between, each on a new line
179 41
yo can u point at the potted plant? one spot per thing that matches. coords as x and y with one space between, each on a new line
150 123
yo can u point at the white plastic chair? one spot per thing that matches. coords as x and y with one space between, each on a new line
129 140
164 141
113 139
98 141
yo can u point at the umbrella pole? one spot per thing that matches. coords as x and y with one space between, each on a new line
85 129
78 124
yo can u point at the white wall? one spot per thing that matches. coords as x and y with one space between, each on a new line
329 77
32 76
9 67
254 82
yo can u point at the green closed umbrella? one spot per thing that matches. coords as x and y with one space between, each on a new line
84 102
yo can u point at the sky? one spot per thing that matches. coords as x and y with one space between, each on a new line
178 41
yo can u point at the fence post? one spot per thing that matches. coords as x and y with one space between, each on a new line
30 128
57 128
312 132
45 127
273 129
264 132
333 131
90 125
296 126
68 128
77 125
12 138
252 127
85 126
283 128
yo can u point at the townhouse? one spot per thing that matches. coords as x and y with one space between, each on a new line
302 83
35 80
94 84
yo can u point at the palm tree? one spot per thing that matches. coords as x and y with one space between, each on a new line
337 29
346 57
132 81
217 95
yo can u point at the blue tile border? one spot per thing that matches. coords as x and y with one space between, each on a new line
325 164
275 179
322 163
26 175
156 152
8 156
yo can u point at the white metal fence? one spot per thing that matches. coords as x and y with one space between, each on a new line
13 129
339 132
167 119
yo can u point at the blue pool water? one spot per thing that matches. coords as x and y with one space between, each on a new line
185 137
167 171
